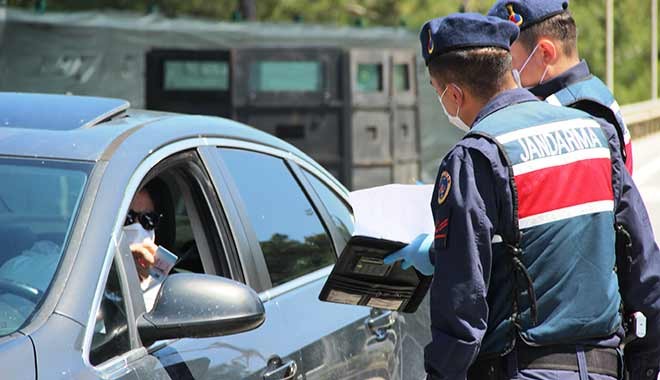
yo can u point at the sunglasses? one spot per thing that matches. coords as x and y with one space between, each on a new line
148 220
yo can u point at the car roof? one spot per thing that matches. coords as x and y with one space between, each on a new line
84 128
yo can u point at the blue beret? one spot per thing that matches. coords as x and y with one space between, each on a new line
465 30
526 13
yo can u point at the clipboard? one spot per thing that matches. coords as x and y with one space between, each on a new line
360 277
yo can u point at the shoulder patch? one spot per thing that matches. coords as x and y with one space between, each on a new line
444 184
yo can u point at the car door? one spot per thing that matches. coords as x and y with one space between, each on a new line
196 229
412 330
203 227
294 243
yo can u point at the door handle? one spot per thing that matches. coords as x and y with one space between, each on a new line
379 324
278 370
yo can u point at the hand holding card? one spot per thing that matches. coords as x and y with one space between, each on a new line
164 260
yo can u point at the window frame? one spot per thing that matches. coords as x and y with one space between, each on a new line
330 90
326 218
171 159
157 58
212 235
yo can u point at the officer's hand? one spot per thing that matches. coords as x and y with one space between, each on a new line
415 254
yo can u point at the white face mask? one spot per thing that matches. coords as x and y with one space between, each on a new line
454 120
516 77
518 73
135 233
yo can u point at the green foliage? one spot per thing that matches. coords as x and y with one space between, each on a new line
288 258
632 24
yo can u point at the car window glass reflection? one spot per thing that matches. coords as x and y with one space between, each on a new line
38 202
111 337
341 213
292 238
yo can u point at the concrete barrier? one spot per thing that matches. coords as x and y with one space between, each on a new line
642 118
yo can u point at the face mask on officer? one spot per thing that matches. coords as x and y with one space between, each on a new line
454 120
517 73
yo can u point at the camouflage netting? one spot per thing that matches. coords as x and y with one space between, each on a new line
103 54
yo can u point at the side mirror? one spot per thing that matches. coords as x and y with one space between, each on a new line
198 306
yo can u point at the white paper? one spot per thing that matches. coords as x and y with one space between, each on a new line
393 212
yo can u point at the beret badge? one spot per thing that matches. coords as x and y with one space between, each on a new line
513 16
429 45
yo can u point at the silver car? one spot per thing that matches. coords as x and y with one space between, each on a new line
256 224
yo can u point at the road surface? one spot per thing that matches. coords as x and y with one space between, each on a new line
646 173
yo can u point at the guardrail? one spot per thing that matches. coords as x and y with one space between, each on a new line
642 118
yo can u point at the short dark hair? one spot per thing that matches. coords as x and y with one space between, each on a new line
559 27
483 70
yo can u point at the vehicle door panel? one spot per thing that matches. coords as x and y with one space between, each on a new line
334 339
239 356
370 356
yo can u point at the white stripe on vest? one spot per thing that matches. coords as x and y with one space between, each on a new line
552 99
547 128
565 213
563 159
617 111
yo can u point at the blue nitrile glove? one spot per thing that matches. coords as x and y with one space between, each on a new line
415 254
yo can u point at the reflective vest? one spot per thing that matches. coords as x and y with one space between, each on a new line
592 95
552 278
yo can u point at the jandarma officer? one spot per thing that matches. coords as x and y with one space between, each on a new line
524 279
548 44
545 56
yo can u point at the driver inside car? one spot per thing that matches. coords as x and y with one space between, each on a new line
140 232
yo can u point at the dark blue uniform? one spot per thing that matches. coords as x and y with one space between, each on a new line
638 265
476 206
525 208
578 88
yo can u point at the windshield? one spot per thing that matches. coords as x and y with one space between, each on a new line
38 203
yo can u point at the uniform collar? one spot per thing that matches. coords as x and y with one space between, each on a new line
574 74
504 99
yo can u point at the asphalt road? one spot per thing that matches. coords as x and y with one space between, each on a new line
646 173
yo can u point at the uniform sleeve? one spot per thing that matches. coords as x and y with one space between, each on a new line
462 255
639 275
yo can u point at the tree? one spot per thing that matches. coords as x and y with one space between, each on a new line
248 9
632 23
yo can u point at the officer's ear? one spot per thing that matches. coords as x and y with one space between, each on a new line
549 51
456 94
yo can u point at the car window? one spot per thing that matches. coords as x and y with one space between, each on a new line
293 239
341 213
111 337
39 200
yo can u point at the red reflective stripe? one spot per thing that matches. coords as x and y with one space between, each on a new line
629 158
440 236
442 224
564 186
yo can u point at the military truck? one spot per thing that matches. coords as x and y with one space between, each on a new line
355 99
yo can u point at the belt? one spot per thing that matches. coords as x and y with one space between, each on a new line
602 361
